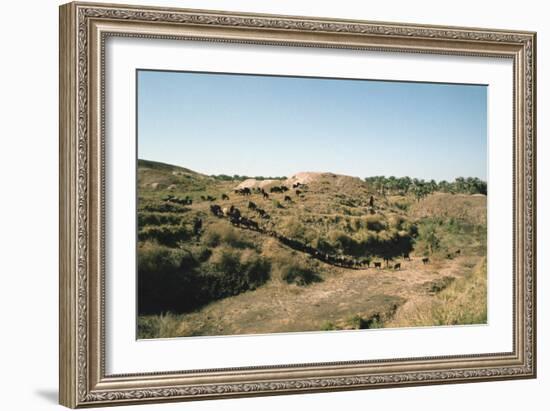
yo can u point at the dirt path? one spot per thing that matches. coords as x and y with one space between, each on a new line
340 301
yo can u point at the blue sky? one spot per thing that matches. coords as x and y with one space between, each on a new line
273 126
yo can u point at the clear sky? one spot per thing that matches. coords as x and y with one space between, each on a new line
275 126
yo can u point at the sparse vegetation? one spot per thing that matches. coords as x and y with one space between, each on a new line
192 261
462 301
297 274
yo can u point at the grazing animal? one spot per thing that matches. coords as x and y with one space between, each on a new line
243 191
216 210
298 192
252 206
225 197
371 201
296 185
234 212
425 260
262 213
197 226
397 266
387 261
203 198
377 264
406 256
179 200
266 196
275 190
287 198
249 223
450 256
284 188
457 252
210 198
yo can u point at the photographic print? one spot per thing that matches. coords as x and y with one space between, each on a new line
274 204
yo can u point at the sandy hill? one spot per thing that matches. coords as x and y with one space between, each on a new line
154 175
314 180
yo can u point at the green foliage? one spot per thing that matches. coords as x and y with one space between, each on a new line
295 273
293 228
165 234
375 223
323 245
236 177
431 238
231 272
421 188
158 218
175 280
385 244
165 325
359 323
402 205
222 233
164 207
165 278
328 326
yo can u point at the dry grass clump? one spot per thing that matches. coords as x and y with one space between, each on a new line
472 209
221 232
463 301
159 326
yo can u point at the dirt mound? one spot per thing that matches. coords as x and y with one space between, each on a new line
471 208
339 182
253 183
307 177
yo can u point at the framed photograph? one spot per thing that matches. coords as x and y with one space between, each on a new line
260 204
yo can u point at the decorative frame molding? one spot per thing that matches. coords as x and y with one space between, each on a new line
83 30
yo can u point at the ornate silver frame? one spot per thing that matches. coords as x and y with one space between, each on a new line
83 30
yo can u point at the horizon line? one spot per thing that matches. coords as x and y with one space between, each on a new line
298 172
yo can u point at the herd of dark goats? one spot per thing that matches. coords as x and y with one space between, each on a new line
233 214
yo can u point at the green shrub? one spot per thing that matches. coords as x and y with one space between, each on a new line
221 233
175 280
402 205
359 323
169 235
156 218
163 207
375 223
293 228
203 253
328 326
398 222
165 279
295 273
158 326
231 271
